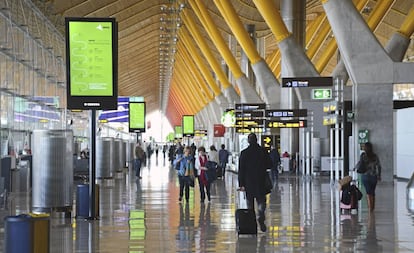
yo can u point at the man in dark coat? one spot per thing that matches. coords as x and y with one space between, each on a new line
253 163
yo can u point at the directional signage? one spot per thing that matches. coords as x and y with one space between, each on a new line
249 114
286 113
321 93
250 107
331 106
286 123
331 119
267 142
252 122
300 82
200 132
247 130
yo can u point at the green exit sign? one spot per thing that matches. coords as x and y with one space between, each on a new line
321 93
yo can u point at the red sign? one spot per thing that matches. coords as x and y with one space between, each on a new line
219 130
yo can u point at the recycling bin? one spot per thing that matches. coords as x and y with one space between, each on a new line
82 201
27 233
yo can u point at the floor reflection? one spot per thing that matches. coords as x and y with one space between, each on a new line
144 215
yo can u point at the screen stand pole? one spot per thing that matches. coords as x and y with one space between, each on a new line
92 166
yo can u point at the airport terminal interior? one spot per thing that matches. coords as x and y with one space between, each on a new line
83 83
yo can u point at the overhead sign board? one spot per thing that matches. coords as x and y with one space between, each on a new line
178 131
278 113
249 114
301 82
136 116
286 123
92 63
200 132
321 93
250 107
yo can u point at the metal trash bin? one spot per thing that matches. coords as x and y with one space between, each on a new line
32 233
82 201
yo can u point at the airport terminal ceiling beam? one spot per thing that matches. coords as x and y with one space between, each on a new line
189 45
274 61
181 92
201 12
297 63
267 82
373 22
190 65
407 28
365 59
398 45
175 88
190 83
189 21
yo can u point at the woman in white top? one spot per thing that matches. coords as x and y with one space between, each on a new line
213 155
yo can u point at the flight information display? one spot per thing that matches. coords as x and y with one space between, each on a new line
188 125
136 117
91 55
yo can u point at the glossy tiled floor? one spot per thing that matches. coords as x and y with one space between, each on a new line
302 216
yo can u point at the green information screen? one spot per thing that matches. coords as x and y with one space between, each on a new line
91 52
91 58
188 125
137 117
178 132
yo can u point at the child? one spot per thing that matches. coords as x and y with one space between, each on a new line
350 194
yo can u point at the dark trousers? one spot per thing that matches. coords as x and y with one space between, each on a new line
137 167
261 206
184 187
204 189
223 168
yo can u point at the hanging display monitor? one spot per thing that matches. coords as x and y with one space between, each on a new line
188 125
136 117
178 130
91 63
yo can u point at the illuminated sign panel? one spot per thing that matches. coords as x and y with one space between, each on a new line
250 107
279 113
188 125
286 123
200 132
178 130
91 61
302 82
136 117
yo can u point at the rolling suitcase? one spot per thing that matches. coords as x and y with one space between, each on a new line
245 218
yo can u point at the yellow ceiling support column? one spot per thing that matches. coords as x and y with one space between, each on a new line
272 17
197 79
332 46
188 20
187 106
199 61
234 23
208 23
175 101
183 84
191 64
190 83
407 27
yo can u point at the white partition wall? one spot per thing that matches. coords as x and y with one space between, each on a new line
404 143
